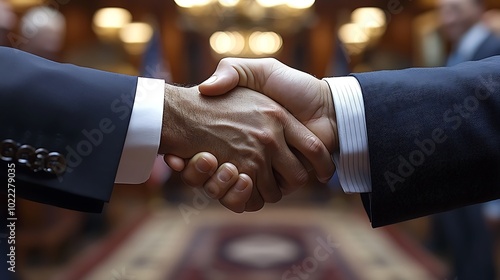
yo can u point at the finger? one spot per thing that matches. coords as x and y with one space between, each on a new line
268 186
285 187
303 160
255 202
306 143
174 162
237 196
289 171
224 79
266 75
199 169
225 177
264 190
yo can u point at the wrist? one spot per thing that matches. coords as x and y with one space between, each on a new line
174 132
331 115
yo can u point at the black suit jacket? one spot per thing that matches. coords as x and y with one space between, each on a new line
434 139
75 116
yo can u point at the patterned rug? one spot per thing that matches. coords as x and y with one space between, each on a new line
274 243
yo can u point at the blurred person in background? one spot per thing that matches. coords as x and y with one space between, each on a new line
463 232
7 22
462 25
43 30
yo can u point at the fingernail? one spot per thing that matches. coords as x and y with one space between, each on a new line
225 175
324 180
210 80
212 191
240 185
203 165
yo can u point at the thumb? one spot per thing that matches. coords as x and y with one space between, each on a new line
176 163
224 79
268 76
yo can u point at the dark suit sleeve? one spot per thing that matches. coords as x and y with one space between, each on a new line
78 113
433 137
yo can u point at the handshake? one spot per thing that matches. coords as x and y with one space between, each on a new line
269 124
412 142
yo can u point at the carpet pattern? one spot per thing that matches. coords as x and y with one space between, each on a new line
274 243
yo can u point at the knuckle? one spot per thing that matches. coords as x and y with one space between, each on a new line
275 111
252 161
270 60
314 145
266 137
225 61
251 166
301 178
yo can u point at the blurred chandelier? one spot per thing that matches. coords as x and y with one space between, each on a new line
366 27
245 27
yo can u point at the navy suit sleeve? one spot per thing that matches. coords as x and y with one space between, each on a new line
81 114
433 137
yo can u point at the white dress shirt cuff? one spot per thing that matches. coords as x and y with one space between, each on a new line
353 161
144 132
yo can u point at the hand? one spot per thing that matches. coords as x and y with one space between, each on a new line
247 129
224 183
290 87
306 97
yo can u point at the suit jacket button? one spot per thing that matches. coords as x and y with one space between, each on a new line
8 149
26 155
41 155
55 163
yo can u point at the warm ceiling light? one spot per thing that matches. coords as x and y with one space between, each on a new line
227 42
351 33
270 3
265 42
136 32
354 37
220 42
369 17
300 4
239 43
191 3
229 3
112 18
24 4
135 37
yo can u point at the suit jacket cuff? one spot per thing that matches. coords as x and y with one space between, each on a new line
144 131
353 161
